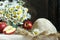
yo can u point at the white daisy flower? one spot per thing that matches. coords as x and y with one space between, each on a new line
36 32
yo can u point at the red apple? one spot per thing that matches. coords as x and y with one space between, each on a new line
27 24
2 26
9 30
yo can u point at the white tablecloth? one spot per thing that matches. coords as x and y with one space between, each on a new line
20 37
12 37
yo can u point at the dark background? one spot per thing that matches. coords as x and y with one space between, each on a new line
49 9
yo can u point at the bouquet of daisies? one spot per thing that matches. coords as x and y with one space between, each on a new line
14 13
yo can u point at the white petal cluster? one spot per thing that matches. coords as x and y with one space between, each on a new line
14 11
